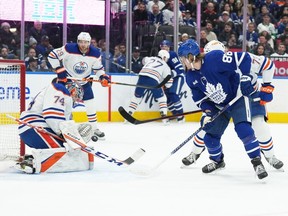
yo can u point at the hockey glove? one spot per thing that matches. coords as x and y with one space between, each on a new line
246 85
105 80
61 75
206 122
266 93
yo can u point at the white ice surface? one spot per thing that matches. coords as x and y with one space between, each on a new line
110 190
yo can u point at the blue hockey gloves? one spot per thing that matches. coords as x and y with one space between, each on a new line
266 93
246 85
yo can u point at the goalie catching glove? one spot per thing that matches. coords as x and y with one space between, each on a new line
266 93
105 80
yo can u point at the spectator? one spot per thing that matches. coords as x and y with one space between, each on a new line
119 61
192 7
43 66
225 18
183 38
33 65
224 36
5 53
283 35
37 31
94 42
188 20
44 48
228 8
30 54
203 38
251 36
209 14
136 60
268 37
268 50
280 53
266 25
7 37
273 8
259 50
141 13
150 5
168 15
233 42
264 11
155 16
102 45
211 35
282 24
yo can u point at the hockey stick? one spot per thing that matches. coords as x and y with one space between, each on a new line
150 171
121 66
139 153
165 80
132 120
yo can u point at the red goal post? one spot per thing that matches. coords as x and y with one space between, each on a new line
12 102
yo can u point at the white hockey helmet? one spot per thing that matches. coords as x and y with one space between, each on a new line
85 36
214 45
164 55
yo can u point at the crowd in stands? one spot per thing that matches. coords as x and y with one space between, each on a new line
267 30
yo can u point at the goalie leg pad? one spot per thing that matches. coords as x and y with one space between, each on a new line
59 160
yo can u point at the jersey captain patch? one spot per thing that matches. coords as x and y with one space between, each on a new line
80 67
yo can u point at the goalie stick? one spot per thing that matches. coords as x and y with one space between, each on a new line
165 80
139 153
132 120
150 171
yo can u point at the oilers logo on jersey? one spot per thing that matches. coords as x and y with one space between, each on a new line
80 67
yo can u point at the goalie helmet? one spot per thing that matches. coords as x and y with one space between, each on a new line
190 46
214 45
164 55
85 36
75 90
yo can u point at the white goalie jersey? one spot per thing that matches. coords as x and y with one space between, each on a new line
77 64
48 108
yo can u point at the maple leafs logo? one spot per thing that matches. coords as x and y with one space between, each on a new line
216 94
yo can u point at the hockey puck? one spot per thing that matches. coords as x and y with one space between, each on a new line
94 138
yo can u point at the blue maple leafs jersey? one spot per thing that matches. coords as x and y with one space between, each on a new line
175 64
219 77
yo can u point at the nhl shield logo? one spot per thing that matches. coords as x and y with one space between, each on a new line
80 67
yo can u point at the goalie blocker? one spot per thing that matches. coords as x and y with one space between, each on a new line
61 156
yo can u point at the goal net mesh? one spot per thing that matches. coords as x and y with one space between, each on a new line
10 104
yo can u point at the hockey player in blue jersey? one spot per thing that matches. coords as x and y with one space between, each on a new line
215 79
173 93
79 60
259 65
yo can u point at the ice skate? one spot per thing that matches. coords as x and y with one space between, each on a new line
259 168
180 120
211 167
26 165
165 121
190 159
274 162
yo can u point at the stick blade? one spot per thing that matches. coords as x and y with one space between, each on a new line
127 116
136 156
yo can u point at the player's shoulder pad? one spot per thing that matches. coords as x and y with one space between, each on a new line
172 54
60 87
93 51
72 48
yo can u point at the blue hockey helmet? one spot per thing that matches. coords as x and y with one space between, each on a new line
165 43
190 46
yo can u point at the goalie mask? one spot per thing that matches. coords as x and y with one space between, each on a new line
214 45
75 90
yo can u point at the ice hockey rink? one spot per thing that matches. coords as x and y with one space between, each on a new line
170 191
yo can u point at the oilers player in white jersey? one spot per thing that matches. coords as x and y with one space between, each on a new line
215 79
173 93
51 110
259 65
79 60
155 69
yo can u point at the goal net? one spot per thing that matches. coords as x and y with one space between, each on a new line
12 102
